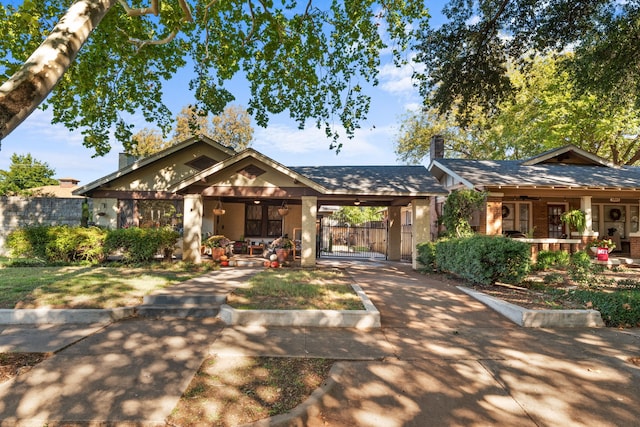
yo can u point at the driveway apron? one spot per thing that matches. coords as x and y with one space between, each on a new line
455 362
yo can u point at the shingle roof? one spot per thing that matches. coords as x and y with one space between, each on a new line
513 172
374 180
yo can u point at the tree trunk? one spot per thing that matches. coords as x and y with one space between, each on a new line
30 86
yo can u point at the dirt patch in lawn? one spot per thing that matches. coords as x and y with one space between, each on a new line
234 391
533 293
14 364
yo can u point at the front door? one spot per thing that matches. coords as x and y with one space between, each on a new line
556 227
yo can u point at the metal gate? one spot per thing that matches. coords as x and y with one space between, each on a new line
363 241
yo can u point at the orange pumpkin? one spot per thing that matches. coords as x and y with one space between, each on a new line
224 263
274 264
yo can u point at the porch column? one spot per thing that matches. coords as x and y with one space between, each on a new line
309 233
585 206
588 234
394 252
421 215
192 235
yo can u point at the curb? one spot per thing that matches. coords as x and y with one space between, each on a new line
40 316
539 318
359 319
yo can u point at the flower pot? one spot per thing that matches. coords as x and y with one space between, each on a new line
283 254
603 254
216 253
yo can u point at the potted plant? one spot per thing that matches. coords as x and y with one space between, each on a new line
282 247
602 248
218 245
575 219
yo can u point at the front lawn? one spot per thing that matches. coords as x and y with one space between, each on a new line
87 286
287 289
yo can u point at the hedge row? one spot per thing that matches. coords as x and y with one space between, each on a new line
61 243
479 259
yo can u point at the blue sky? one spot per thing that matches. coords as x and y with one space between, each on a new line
373 144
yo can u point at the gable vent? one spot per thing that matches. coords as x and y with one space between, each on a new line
251 171
201 163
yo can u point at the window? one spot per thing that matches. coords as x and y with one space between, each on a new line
263 220
516 217
555 226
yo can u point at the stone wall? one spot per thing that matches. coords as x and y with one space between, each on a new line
18 212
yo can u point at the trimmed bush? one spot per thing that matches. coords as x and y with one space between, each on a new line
427 255
29 242
140 244
58 243
484 259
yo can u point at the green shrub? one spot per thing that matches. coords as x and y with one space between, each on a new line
140 244
581 269
549 259
484 259
58 243
29 242
427 255
618 308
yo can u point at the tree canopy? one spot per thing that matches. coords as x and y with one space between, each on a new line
357 215
231 128
310 58
547 111
25 173
468 57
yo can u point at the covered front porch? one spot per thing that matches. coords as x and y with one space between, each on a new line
253 214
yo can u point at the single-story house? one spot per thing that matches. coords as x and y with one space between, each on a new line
202 187
529 196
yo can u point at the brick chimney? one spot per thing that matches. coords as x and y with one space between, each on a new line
68 182
436 149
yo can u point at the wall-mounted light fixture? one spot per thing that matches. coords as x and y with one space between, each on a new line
357 202
257 202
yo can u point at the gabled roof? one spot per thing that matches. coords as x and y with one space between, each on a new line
373 180
569 154
567 166
150 160
512 173
246 153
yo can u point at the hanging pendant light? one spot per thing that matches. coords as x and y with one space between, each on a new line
218 210
284 209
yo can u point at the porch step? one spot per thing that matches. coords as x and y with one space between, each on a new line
250 262
180 306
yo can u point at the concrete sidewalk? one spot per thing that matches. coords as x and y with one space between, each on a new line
441 358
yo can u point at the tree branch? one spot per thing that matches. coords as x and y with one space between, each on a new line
29 86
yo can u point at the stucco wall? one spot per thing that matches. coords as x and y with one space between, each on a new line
18 212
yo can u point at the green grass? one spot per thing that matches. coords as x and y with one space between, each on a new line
297 290
84 286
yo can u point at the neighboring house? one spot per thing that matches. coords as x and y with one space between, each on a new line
529 196
64 189
183 184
